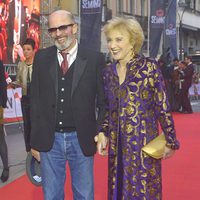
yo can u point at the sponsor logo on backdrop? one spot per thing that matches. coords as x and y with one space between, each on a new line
91 6
159 18
13 109
171 30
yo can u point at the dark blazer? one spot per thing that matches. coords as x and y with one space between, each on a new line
87 94
3 86
187 76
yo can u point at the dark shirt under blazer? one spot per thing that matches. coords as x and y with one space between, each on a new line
64 118
86 95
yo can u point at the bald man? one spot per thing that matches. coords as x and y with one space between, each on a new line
66 92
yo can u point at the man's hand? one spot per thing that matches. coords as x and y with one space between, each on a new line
102 141
35 154
168 153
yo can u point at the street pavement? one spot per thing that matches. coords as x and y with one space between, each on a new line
16 151
16 147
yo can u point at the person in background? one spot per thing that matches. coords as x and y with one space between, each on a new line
166 71
186 76
174 79
67 104
23 79
136 102
3 145
195 81
177 85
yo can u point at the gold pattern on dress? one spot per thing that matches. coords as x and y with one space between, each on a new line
129 128
131 96
165 106
152 171
137 75
145 94
134 143
130 110
160 96
114 115
151 81
145 81
123 94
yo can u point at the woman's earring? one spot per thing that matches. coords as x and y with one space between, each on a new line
133 52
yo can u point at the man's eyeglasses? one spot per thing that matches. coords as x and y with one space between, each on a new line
60 28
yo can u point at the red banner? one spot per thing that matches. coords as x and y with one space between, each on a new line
18 20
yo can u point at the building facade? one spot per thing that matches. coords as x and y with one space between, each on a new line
188 22
188 17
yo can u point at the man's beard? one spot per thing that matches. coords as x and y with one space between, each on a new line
66 45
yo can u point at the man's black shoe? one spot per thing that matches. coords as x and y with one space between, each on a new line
5 175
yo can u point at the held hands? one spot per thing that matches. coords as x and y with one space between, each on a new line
168 152
35 154
102 141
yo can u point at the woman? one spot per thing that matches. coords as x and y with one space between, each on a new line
23 78
3 145
187 75
136 96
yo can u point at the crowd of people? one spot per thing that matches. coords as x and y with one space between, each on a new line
74 104
179 77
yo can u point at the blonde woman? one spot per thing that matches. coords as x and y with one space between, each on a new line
136 96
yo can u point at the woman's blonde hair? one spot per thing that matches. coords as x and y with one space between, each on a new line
129 25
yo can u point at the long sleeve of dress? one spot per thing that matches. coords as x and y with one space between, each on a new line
162 107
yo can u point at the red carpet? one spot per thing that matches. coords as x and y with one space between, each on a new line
181 176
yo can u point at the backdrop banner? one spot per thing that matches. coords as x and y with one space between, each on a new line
91 14
20 19
157 20
170 29
13 110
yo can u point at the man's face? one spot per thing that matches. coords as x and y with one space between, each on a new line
62 30
176 62
187 60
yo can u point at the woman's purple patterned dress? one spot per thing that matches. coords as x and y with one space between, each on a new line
134 109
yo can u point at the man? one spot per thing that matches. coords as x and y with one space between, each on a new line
175 85
188 72
3 145
16 30
63 110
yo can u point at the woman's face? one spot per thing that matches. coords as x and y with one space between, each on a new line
119 45
28 51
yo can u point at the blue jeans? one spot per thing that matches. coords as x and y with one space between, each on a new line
65 149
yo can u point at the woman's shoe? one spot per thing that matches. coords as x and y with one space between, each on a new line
5 175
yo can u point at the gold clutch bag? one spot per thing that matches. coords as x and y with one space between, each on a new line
155 148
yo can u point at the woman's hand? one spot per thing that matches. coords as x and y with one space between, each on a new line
102 141
168 152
